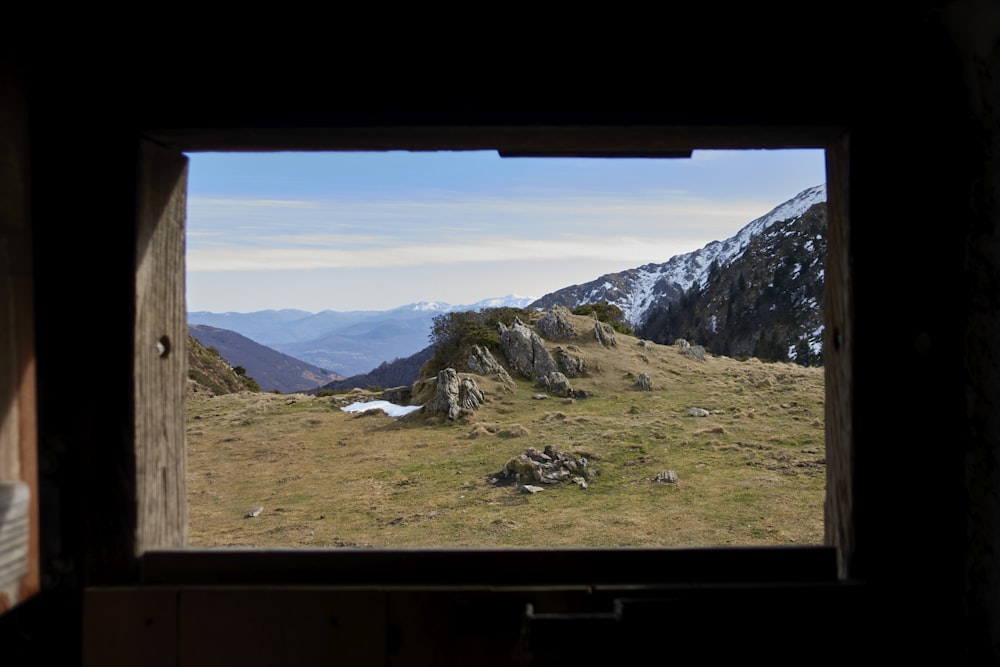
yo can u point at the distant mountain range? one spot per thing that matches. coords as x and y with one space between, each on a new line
759 293
339 343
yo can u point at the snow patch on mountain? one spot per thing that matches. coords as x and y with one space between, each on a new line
511 300
638 289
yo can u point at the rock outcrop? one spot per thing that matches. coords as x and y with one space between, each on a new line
604 334
456 395
557 383
398 395
556 325
689 350
525 352
644 383
482 362
572 365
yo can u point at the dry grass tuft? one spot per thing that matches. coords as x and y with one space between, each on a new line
480 429
514 431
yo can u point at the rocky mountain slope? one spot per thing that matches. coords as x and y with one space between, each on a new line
779 257
767 302
211 375
640 291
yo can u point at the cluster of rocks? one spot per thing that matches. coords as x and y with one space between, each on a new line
550 466
526 355
526 352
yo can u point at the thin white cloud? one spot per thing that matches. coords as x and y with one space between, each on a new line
257 235
641 205
621 249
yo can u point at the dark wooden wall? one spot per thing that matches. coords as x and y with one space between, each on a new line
916 89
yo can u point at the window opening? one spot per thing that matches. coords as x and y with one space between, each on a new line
661 447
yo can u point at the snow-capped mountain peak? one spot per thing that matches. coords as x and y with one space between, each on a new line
637 290
510 300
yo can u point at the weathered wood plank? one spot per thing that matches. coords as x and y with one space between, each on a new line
495 567
281 626
123 626
168 626
19 524
838 360
543 139
160 373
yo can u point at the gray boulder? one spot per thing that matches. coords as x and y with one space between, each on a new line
555 324
455 395
556 383
525 351
398 395
604 334
695 352
482 362
689 350
572 365
644 382
666 476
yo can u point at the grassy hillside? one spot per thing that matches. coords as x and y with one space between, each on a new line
209 373
750 472
272 370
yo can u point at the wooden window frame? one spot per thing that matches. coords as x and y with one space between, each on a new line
161 521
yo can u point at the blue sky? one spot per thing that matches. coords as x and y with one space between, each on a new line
373 231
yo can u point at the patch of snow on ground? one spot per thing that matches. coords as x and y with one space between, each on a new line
390 409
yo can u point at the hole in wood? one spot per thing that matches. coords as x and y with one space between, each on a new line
163 347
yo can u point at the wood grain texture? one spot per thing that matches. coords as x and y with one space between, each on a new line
165 626
19 523
160 350
838 360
